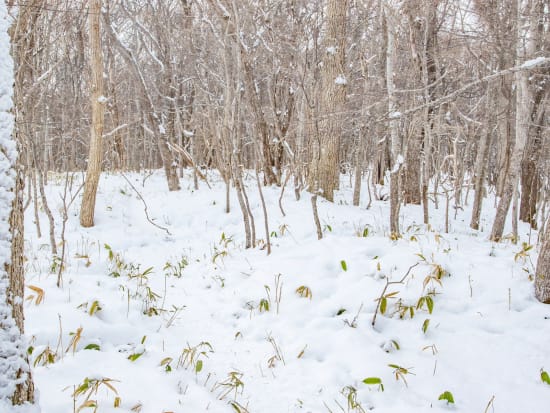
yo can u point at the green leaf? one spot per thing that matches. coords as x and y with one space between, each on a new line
94 308
92 347
198 366
545 377
372 380
166 361
430 303
425 325
422 257
344 265
134 357
341 311
383 305
448 396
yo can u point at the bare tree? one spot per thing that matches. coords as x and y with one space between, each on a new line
525 49
98 105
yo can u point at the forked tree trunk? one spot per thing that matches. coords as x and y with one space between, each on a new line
523 105
168 160
98 105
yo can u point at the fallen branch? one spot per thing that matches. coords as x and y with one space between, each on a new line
145 209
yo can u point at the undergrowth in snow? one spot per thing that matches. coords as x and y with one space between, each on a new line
193 322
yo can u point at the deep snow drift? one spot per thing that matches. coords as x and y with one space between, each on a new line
192 322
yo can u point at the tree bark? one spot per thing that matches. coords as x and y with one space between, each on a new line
542 273
16 384
98 106
523 105
481 162
324 170
393 122
530 173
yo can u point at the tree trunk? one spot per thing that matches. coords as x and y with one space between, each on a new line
523 106
542 273
530 175
324 170
16 384
481 162
98 105
393 123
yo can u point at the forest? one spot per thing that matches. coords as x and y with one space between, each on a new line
269 206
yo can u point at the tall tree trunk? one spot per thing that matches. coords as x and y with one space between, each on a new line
530 174
16 384
98 105
523 106
395 145
324 170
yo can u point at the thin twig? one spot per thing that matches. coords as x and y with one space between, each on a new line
145 206
489 404
388 283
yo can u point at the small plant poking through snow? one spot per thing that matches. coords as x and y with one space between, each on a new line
233 384
89 387
176 268
304 291
350 393
192 356
401 373
447 396
374 381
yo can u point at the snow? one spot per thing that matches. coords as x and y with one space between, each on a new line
341 80
535 62
12 346
400 160
395 115
331 50
487 335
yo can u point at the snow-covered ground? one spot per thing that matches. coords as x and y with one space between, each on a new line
193 322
